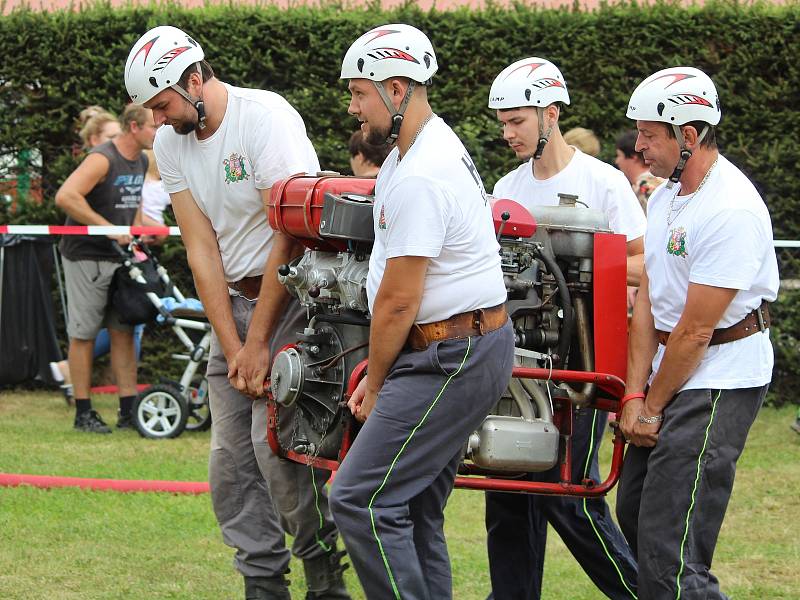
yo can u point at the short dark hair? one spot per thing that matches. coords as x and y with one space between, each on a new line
710 139
371 153
626 143
205 69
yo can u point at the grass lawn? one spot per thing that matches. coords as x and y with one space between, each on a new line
73 544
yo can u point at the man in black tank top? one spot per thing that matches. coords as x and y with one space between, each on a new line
106 189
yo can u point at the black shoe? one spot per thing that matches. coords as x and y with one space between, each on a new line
125 421
91 422
266 588
324 577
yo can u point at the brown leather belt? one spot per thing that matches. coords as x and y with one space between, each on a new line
757 320
249 287
474 322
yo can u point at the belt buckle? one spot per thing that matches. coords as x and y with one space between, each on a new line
760 319
477 320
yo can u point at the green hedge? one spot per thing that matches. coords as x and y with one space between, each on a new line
57 63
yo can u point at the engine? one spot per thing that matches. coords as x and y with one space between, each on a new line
559 263
547 264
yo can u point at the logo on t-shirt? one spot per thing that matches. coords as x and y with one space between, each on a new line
130 191
234 169
382 219
676 244
467 161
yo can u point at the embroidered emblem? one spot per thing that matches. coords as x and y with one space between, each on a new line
234 169
676 244
382 219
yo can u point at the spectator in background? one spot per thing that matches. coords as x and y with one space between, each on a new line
631 163
105 189
98 129
154 200
365 158
584 140
88 112
97 126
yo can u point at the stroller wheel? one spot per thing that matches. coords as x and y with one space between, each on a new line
199 411
160 412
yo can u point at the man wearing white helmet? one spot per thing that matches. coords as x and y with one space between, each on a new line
223 150
441 344
528 96
699 358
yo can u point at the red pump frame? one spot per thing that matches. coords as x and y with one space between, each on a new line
562 416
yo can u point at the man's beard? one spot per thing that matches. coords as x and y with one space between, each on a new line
184 127
376 136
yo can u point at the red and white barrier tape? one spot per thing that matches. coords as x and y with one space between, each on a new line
87 230
142 230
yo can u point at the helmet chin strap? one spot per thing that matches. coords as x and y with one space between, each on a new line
686 154
397 115
543 136
198 103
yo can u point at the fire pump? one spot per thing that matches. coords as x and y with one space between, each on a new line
565 273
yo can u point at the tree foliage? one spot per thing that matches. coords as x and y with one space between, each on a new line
57 63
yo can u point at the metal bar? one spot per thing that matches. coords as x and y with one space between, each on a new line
551 489
60 278
611 383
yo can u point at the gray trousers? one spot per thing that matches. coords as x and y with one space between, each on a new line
256 495
672 497
389 496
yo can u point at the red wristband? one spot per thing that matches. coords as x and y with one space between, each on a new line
629 397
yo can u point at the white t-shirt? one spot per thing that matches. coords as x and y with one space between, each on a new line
721 237
595 183
261 139
432 203
154 199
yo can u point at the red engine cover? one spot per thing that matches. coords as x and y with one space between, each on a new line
520 223
295 206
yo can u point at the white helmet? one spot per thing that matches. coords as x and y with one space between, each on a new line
532 82
395 50
157 61
677 96
528 82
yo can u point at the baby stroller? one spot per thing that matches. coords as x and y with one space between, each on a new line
142 292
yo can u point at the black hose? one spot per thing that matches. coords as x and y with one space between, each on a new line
345 319
568 324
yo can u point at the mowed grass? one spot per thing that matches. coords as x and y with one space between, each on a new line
74 544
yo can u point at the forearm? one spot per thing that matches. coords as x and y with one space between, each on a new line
642 345
389 330
682 355
635 264
78 209
273 296
209 280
